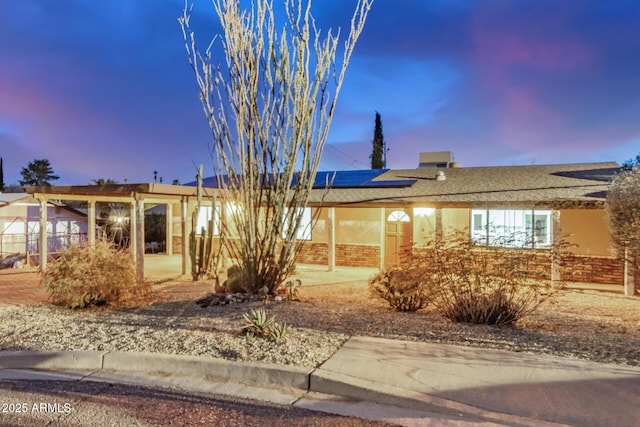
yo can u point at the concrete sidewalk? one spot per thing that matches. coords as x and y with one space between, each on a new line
402 382
506 387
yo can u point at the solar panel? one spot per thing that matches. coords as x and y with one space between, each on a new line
336 179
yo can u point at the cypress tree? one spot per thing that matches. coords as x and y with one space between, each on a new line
1 177
378 145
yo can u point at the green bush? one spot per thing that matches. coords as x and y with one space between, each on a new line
405 289
83 276
234 283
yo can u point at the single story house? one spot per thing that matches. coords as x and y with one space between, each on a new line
375 218
20 225
379 220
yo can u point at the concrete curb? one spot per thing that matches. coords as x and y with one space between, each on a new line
251 373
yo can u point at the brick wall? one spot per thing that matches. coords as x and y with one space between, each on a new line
591 269
346 254
358 255
573 268
314 253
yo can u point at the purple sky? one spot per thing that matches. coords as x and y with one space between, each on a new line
103 89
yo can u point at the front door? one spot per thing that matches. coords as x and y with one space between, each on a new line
398 237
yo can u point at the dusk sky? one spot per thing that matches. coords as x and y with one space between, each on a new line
103 89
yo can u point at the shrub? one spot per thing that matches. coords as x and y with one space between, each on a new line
234 282
98 275
405 289
494 286
623 209
259 323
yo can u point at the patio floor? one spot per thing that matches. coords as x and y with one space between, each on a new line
159 267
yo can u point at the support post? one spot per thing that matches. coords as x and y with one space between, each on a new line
383 236
133 231
91 227
331 239
555 247
629 280
139 240
168 235
439 230
185 237
43 235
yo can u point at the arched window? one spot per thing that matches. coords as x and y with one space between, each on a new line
398 216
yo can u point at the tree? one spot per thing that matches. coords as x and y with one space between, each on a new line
631 163
623 208
38 173
269 105
102 182
377 154
1 176
14 188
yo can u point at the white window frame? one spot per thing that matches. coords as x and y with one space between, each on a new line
511 228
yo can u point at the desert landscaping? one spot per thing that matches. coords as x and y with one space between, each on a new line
582 324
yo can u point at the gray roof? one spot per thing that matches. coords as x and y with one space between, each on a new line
7 198
555 185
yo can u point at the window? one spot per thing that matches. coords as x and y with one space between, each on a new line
511 227
398 216
304 230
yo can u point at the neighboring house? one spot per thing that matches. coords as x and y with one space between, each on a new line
20 225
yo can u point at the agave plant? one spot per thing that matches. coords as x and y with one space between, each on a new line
278 330
258 322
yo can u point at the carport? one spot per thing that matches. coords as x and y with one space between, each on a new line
178 198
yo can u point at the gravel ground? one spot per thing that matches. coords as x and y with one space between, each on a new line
582 324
